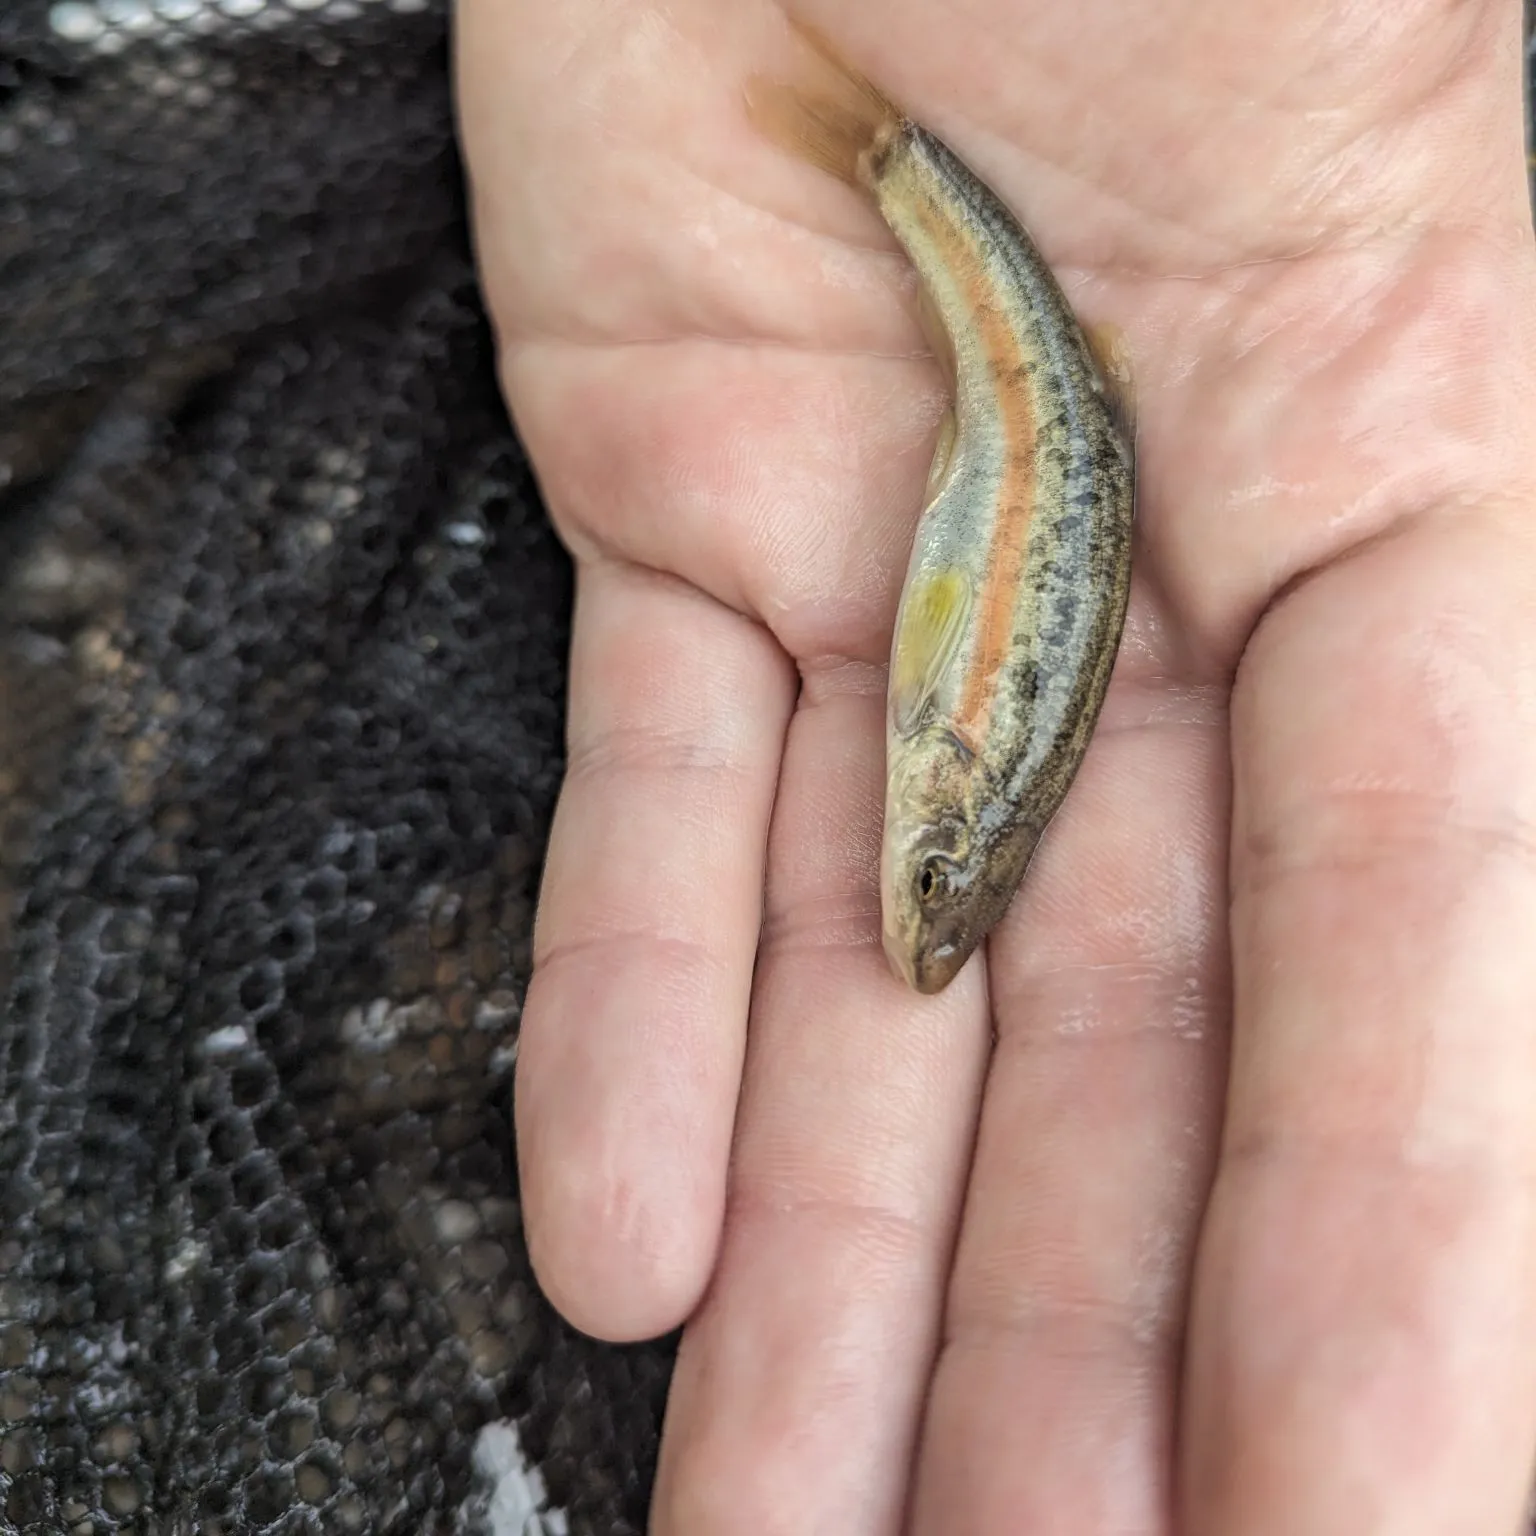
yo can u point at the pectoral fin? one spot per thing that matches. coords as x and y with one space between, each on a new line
928 632
944 451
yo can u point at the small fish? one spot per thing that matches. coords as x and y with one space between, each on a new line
1016 593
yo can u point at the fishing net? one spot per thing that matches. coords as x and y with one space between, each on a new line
282 635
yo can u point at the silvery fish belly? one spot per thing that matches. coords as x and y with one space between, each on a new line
1015 597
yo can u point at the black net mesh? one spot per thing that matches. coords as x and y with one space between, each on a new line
282 636
281 645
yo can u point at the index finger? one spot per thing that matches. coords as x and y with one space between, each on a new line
631 1044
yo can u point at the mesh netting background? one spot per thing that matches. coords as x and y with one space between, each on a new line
282 635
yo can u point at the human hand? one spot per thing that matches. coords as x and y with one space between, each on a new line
1230 1227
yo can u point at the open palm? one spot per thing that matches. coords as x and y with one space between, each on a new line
1205 1200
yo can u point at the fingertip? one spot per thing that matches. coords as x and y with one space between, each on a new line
621 1280
621 1160
633 1031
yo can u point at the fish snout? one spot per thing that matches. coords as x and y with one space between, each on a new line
926 968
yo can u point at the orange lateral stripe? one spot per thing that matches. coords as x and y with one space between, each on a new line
998 590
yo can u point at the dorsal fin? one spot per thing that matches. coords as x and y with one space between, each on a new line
928 633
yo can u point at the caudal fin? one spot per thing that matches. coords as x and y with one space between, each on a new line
834 127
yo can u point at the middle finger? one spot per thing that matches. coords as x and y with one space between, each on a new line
799 1386
1054 1396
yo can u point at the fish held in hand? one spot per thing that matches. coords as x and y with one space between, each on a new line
1015 596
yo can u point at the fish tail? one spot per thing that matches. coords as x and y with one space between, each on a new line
841 129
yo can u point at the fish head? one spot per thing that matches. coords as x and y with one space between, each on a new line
927 879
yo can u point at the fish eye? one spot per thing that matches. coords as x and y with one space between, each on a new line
933 877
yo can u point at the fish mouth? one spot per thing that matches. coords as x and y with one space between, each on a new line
939 966
926 971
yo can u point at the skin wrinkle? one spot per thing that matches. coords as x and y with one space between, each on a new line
617 559
1347 321
1112 269
1384 240
1145 1339
693 952
883 255
520 345
894 274
1409 520
871 1227
627 748
1262 1150
525 345
790 615
1145 983
825 923
1364 239
881 247
690 320
1159 705
1360 235
1124 204
826 678
1411 505
1274 856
